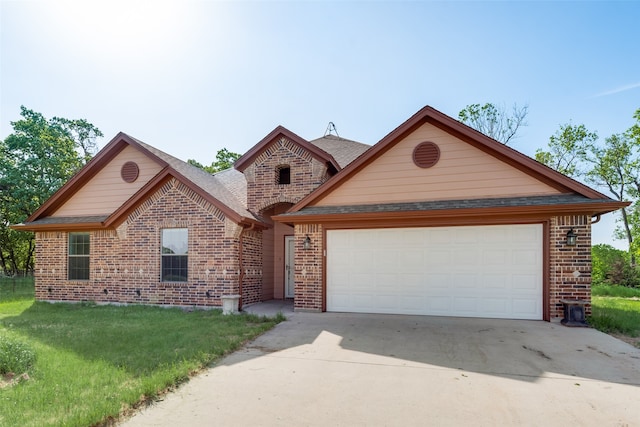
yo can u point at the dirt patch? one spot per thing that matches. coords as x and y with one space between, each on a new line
12 379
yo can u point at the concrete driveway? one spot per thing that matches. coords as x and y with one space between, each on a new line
386 370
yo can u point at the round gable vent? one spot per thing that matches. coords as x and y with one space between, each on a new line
426 154
129 172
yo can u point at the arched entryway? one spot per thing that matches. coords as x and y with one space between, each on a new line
277 255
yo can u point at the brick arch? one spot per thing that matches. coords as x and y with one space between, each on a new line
267 204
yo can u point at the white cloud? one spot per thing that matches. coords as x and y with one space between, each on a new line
617 90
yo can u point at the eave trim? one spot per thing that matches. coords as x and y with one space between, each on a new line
581 208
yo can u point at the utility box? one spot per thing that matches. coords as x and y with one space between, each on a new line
574 313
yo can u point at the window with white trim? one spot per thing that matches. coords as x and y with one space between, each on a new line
79 255
175 245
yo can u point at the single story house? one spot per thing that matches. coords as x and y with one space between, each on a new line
434 219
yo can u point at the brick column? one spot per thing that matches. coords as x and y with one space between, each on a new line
308 268
570 266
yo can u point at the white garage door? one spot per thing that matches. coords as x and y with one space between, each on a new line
477 271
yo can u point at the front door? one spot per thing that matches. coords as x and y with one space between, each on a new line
289 263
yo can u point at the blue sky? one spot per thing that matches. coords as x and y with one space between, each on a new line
191 77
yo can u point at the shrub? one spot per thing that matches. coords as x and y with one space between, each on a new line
15 356
611 266
621 273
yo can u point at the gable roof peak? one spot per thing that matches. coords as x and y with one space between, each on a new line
429 115
275 135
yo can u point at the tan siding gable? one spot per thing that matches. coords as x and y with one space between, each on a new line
463 172
107 191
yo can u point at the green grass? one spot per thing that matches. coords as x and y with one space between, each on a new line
615 291
616 315
615 309
95 362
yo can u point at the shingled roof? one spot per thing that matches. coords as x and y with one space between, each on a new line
343 150
221 189
226 189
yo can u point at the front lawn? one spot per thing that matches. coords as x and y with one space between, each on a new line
96 362
616 311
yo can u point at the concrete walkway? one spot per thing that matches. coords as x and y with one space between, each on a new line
271 308
374 370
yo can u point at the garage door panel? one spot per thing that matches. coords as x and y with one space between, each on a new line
526 234
437 281
412 262
385 260
464 280
530 306
465 235
528 282
495 257
386 283
414 303
442 257
438 236
496 237
525 257
362 302
465 306
495 282
495 307
412 283
358 261
456 271
440 305
467 258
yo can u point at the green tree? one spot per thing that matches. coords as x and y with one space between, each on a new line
567 149
493 121
83 134
607 263
36 160
224 160
614 166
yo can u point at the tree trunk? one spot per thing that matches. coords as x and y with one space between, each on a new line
28 265
627 230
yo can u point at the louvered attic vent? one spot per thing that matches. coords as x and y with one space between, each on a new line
129 172
426 154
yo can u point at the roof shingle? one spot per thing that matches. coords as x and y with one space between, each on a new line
343 150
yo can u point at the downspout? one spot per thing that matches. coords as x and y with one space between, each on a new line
240 262
596 220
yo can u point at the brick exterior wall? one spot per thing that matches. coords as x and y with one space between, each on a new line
570 266
308 278
252 267
263 191
126 261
